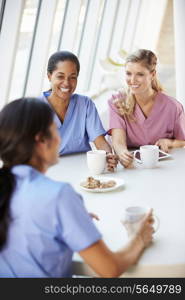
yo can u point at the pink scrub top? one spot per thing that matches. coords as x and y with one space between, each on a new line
166 120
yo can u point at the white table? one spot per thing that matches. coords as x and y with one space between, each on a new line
162 188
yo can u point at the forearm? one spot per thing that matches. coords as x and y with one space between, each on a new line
109 263
178 143
101 144
119 140
130 254
119 147
114 263
166 144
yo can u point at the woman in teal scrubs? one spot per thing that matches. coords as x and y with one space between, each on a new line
76 116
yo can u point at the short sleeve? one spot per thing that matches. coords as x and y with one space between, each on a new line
76 227
94 125
179 128
115 120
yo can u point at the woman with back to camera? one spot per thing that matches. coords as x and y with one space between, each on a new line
143 114
76 116
42 221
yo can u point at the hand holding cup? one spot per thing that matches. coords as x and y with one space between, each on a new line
149 156
137 218
112 161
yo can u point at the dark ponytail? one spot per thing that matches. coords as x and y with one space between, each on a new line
20 122
7 184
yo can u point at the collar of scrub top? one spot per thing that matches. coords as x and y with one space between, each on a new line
71 105
141 118
23 171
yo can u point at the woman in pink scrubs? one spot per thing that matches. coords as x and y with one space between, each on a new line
143 114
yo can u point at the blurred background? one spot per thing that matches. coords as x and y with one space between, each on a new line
99 32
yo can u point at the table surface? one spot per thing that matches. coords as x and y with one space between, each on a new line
162 188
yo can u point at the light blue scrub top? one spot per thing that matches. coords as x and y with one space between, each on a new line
49 223
81 125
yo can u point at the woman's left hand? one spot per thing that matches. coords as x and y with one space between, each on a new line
112 161
164 144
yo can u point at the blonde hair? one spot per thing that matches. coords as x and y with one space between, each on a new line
125 101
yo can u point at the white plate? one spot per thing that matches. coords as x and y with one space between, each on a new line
119 182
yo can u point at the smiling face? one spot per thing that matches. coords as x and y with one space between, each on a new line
138 78
63 79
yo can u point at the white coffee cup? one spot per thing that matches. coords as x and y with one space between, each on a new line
132 217
149 155
96 161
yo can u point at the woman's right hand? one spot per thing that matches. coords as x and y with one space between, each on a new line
125 158
146 230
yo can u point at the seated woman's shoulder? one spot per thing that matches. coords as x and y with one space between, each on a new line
82 98
170 100
52 184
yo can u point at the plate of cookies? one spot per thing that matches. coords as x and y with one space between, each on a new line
101 184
